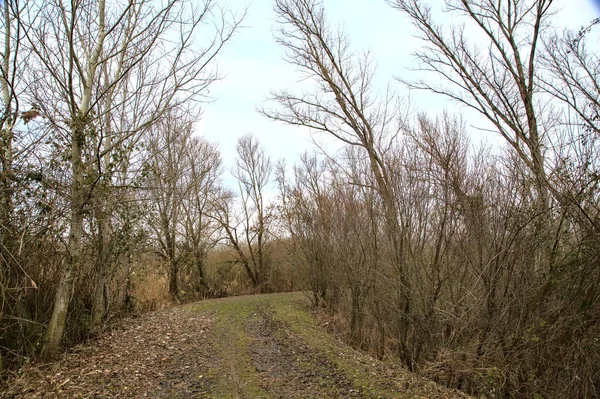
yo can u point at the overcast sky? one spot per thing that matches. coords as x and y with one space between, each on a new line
252 66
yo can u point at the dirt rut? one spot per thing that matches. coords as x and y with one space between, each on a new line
265 346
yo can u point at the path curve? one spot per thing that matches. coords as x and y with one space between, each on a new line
264 346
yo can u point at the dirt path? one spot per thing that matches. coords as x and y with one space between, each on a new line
265 346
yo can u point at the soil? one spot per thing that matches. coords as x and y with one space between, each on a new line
264 346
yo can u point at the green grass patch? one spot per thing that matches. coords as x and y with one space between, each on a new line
234 373
236 376
364 371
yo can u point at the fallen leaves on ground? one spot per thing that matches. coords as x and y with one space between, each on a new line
263 346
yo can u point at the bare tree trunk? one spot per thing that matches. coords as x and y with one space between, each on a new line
199 256
80 121
100 305
173 269
57 324
6 205
173 277
6 140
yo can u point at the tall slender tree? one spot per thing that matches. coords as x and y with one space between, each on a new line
253 171
92 58
346 106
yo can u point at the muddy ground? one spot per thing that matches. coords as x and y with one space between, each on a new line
264 346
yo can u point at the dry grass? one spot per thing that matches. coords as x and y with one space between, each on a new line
151 291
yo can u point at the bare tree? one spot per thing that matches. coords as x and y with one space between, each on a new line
245 223
16 146
230 220
345 105
84 52
572 78
198 206
168 148
10 55
253 172
573 75
499 81
305 213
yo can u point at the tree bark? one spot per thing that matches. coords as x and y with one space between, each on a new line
100 305
6 192
173 278
57 324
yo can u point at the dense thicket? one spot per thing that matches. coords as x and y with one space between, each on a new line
477 266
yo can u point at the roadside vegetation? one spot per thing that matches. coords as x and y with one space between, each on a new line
260 346
476 266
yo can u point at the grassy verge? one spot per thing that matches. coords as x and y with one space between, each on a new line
369 375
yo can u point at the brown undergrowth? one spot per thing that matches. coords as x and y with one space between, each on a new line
261 346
